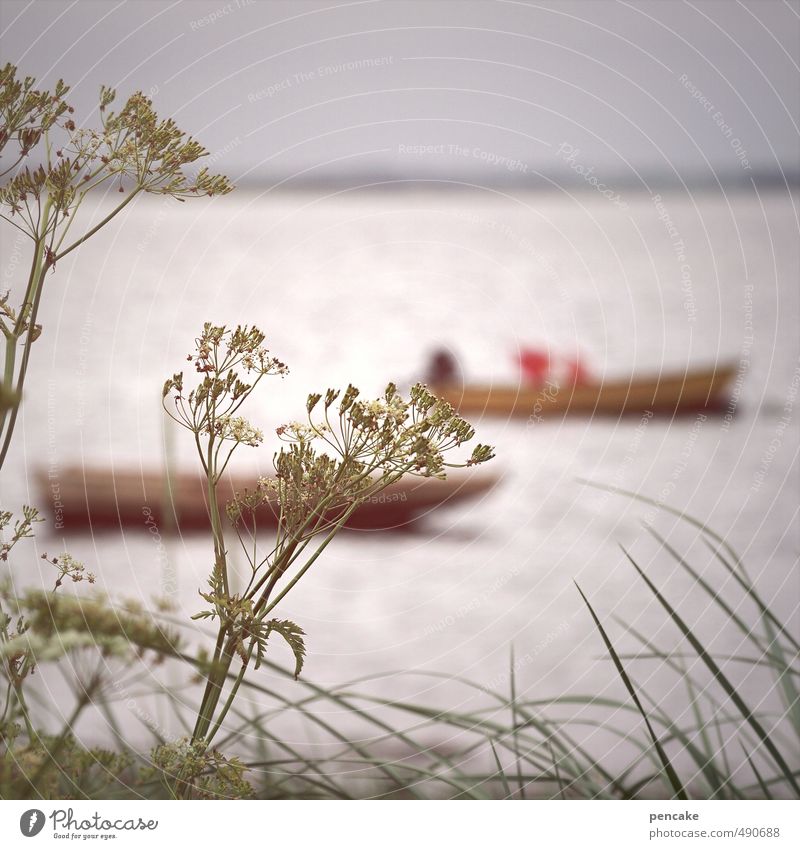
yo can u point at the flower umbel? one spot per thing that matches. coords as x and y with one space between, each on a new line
347 451
69 568
132 150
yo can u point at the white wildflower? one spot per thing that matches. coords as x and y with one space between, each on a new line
298 432
395 409
238 429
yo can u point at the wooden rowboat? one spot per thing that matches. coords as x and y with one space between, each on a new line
662 394
103 499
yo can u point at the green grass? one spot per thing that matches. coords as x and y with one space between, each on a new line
350 742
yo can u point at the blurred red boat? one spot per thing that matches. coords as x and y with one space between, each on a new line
662 394
102 499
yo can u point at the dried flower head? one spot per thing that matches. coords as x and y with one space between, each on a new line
68 567
346 452
49 164
231 363
237 429
133 149
22 528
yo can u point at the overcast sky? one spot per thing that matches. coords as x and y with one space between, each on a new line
449 89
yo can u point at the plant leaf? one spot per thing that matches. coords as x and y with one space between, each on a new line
293 634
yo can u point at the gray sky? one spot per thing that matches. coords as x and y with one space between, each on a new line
451 89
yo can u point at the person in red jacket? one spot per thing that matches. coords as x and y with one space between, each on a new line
538 367
574 372
535 365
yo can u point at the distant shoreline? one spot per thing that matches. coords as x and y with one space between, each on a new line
538 184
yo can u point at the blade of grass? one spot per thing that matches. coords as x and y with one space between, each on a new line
342 701
720 658
716 707
711 592
720 677
557 772
789 693
764 788
310 716
705 749
672 776
266 735
686 517
747 585
501 773
466 722
714 777
515 735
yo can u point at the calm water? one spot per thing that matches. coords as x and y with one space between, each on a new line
357 287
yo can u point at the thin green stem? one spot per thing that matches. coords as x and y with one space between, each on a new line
100 225
16 397
217 678
231 696
203 711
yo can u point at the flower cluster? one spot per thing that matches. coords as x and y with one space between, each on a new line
22 528
231 362
94 621
345 453
296 432
26 113
238 429
351 451
191 769
69 568
48 166
411 436
219 348
134 148
30 765
149 151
